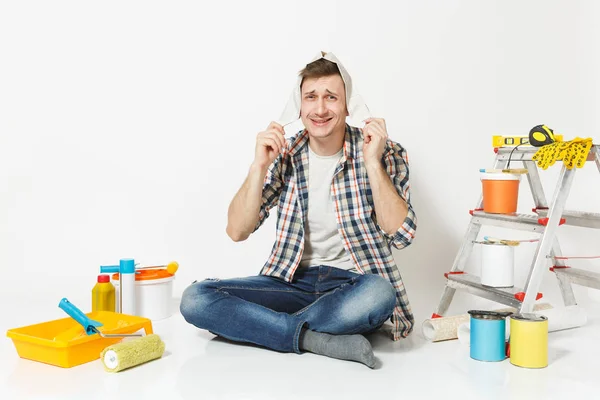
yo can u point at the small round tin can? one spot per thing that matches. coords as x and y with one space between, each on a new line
488 331
529 340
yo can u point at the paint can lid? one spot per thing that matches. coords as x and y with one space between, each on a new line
492 315
492 176
147 274
529 317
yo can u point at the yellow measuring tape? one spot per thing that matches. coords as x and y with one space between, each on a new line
573 153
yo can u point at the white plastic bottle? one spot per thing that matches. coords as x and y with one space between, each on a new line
127 286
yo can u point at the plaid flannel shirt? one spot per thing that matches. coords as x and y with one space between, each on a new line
286 185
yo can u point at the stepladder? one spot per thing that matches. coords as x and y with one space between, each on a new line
545 220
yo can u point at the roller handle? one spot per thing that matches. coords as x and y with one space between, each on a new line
88 324
107 269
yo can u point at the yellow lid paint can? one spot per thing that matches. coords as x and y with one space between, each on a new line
529 340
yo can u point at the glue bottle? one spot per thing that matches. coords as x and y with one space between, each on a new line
103 295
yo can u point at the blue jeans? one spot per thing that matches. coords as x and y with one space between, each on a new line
270 312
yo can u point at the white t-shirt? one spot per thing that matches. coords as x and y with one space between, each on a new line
322 241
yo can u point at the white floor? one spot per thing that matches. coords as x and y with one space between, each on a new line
197 365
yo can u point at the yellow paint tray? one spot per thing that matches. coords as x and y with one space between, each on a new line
64 343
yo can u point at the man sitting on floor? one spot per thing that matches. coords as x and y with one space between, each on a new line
343 200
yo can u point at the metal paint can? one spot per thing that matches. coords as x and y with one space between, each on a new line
488 329
497 265
529 340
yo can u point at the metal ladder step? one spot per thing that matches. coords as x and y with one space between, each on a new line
575 218
527 222
579 276
512 296
526 153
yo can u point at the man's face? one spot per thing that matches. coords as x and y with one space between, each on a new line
323 109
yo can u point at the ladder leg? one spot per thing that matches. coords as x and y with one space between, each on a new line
445 301
535 184
466 248
547 240
564 284
597 149
539 198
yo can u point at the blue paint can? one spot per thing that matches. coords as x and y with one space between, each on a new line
488 329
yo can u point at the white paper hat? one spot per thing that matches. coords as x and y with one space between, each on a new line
357 108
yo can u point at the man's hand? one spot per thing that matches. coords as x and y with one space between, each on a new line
243 215
269 144
375 135
390 208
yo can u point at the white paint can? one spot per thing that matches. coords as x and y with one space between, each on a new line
153 293
497 265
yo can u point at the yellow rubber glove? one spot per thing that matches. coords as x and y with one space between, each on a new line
573 153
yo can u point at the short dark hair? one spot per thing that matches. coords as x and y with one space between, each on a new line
319 69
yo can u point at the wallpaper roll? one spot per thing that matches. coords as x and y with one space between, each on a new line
564 317
446 328
594 294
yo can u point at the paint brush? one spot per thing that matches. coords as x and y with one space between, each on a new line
508 242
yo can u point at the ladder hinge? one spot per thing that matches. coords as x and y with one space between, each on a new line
544 221
452 273
521 296
558 267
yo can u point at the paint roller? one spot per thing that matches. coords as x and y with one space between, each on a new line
123 355
171 267
89 325
134 352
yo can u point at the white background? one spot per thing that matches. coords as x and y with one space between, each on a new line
126 127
